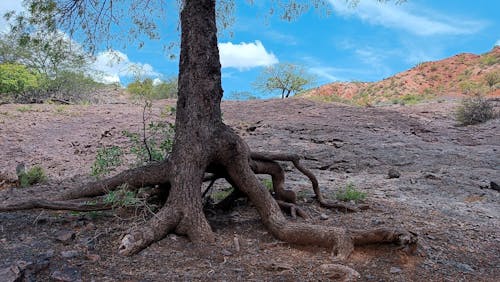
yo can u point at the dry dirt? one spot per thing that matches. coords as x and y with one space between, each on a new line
444 194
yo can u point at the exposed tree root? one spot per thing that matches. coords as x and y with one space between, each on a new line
339 239
54 205
241 175
262 163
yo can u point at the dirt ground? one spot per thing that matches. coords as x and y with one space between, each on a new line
444 194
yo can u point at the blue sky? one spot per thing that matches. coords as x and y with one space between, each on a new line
367 43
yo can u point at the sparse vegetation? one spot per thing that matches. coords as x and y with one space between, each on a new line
475 110
492 79
148 89
489 60
25 108
410 99
34 175
350 193
122 198
220 195
268 183
107 159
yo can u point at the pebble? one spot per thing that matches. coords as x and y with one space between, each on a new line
69 274
395 270
70 254
393 173
65 236
323 216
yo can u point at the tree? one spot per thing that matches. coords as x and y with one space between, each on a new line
204 144
286 78
16 79
48 52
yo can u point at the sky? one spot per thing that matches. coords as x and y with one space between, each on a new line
369 42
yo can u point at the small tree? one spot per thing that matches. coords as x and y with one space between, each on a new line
286 78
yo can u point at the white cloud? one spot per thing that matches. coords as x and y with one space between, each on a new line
7 6
497 43
245 55
112 65
407 17
325 73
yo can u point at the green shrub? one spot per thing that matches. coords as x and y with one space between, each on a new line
106 160
25 108
122 198
221 194
149 90
350 193
492 78
475 110
17 79
409 99
34 175
489 59
268 183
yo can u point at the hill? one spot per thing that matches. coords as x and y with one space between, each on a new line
461 75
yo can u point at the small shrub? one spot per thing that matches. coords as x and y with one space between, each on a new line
268 183
122 198
489 60
25 108
475 110
492 78
34 175
106 160
221 194
350 193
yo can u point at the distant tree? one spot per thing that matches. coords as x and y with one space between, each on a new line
165 89
285 78
147 88
48 52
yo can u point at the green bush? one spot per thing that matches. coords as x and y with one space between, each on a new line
475 110
350 193
149 90
107 159
34 175
492 78
17 79
68 85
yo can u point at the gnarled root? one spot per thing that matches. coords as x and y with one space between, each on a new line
339 239
266 163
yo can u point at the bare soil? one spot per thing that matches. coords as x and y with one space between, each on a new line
444 194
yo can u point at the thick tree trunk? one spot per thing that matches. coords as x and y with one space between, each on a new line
198 123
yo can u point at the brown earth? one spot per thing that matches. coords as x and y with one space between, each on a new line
461 75
444 194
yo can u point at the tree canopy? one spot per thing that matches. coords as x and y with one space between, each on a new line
285 78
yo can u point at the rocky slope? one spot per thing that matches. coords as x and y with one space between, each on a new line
460 75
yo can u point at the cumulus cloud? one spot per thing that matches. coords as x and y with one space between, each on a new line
244 56
410 18
497 43
112 64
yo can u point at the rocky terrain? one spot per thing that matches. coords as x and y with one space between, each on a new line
461 75
445 193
